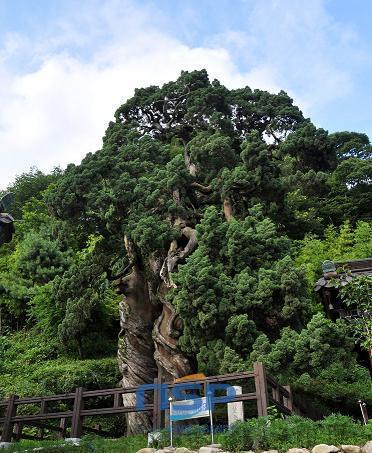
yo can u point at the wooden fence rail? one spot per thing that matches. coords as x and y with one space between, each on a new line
267 392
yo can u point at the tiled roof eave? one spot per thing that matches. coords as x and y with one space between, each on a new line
324 283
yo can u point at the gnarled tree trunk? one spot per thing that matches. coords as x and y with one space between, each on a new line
171 362
150 327
136 347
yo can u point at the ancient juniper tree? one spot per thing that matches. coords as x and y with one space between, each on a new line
197 194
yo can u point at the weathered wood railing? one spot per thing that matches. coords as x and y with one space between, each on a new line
70 422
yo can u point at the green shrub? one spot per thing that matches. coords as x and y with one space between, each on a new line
259 433
279 434
32 364
247 435
193 437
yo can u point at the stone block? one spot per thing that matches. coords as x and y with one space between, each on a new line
350 448
73 441
235 411
298 450
367 448
324 448
169 449
213 448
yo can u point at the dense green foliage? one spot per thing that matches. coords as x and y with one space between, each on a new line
40 291
357 295
31 364
318 360
295 432
270 196
338 244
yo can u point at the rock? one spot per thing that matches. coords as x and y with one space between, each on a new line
75 441
324 448
183 450
213 448
299 450
209 450
350 448
367 448
146 450
153 437
270 451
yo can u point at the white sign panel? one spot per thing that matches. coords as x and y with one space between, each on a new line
188 409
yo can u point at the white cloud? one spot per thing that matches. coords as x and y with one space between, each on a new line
58 111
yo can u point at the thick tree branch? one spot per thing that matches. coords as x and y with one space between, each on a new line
227 209
176 254
271 132
200 188
189 165
111 277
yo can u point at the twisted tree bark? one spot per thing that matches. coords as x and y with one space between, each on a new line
150 327
136 347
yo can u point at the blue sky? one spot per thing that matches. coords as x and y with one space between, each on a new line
66 65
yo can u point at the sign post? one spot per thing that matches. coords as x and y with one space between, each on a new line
187 406
187 410
171 421
210 414
363 409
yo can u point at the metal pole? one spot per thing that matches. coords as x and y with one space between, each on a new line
170 399
210 414
363 410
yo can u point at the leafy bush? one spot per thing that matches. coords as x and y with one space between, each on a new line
31 364
267 433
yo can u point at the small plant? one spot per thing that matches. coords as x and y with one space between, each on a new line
245 435
273 413
193 437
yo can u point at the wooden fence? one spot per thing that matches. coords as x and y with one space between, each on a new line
267 392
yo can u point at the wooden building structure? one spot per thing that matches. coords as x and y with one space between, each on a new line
337 274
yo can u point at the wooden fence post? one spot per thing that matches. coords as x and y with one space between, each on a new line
77 422
63 427
261 388
288 402
118 400
43 410
17 433
11 411
275 394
